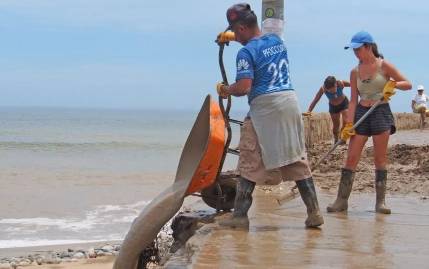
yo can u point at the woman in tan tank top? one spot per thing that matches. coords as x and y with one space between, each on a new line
367 81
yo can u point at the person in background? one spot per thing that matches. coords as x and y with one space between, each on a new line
419 105
273 136
338 102
372 80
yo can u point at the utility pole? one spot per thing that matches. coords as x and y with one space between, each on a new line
273 17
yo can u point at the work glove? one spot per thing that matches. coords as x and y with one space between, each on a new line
389 90
347 131
225 37
221 90
307 114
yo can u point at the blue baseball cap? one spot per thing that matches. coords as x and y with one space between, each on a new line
359 39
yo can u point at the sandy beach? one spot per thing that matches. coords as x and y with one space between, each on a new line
408 176
98 263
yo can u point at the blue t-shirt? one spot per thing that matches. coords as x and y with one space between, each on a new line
264 60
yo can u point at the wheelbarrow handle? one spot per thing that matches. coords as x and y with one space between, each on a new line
224 110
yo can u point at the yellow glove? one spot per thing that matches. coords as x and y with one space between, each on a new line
347 131
307 114
225 37
222 90
389 90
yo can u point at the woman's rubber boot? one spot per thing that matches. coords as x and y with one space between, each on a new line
380 190
344 190
243 201
308 194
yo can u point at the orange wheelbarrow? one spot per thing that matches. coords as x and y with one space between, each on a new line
199 171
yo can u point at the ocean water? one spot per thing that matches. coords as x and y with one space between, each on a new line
83 175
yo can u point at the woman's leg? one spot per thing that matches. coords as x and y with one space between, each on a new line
344 117
335 125
357 142
356 145
380 160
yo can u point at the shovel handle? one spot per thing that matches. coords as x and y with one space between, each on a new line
292 193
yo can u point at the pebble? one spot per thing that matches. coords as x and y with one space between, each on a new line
73 255
107 248
79 255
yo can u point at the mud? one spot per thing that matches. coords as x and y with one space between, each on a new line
408 169
360 238
277 237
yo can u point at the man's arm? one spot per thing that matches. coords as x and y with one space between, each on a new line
240 88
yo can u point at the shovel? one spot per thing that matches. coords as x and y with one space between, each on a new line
293 192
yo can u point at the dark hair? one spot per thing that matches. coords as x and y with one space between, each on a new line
250 20
330 82
374 49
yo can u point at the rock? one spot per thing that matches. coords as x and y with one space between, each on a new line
91 253
53 260
65 255
183 226
40 260
107 248
24 262
79 255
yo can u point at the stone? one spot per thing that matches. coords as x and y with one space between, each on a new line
92 253
79 255
107 248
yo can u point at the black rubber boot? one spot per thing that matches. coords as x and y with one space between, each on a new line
380 190
243 201
308 194
344 190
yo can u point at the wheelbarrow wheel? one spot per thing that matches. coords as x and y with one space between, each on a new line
221 195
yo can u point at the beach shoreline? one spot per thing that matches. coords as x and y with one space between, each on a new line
406 160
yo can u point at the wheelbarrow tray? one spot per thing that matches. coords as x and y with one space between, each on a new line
198 168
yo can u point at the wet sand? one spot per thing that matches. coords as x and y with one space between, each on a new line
408 165
360 239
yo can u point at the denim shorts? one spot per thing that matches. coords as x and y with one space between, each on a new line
334 109
380 120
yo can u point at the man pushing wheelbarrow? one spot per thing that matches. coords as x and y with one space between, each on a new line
272 135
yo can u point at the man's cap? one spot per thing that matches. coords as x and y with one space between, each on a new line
420 88
238 13
359 39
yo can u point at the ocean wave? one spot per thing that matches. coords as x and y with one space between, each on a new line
105 222
44 242
72 146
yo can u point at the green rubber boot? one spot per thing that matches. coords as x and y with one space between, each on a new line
380 190
308 194
243 201
344 190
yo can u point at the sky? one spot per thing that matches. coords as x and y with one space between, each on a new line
143 54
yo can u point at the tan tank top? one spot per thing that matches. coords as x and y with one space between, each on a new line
372 88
